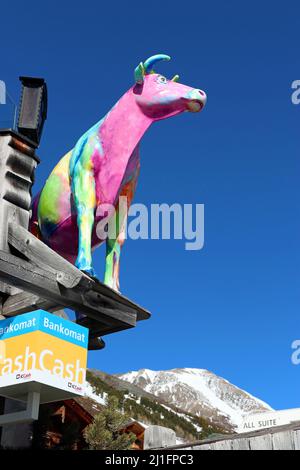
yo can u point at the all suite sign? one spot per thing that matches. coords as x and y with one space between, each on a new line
43 352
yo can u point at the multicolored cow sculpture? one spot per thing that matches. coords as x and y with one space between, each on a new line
104 165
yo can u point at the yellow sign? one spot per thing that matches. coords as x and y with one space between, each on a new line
43 348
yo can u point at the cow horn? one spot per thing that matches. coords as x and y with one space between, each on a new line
149 63
139 73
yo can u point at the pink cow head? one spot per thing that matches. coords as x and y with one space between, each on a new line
160 98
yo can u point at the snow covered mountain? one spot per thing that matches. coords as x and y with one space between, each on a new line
148 409
198 392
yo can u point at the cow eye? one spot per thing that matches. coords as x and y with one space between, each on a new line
161 79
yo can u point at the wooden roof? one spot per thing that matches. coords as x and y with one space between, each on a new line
84 407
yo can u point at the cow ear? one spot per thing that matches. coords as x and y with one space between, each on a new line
139 73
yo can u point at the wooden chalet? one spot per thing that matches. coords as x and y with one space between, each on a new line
61 424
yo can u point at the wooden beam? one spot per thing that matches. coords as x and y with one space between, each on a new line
27 302
41 255
66 274
21 273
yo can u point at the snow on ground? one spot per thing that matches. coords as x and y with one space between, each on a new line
89 392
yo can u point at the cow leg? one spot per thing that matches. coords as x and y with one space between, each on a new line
114 244
84 194
113 252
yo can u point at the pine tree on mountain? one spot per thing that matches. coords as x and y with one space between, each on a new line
104 432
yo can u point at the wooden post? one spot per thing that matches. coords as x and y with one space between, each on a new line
17 166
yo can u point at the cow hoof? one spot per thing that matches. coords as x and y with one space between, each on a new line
112 285
90 272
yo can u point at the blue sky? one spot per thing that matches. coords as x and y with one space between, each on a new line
233 307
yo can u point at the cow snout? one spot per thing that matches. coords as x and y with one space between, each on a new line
196 100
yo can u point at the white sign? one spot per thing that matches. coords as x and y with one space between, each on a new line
41 348
269 419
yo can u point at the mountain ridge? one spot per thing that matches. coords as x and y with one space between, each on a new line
199 392
148 409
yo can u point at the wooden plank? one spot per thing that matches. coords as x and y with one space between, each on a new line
41 255
222 445
240 444
203 447
43 284
283 441
296 439
263 442
27 302
156 437
142 313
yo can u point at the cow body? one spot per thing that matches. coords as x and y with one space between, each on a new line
104 165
